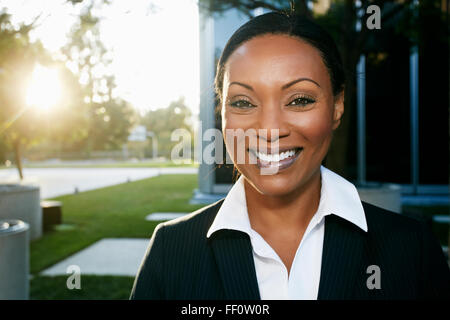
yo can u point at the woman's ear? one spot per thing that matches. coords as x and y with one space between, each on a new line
338 109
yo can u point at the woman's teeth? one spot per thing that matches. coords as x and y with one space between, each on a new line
275 157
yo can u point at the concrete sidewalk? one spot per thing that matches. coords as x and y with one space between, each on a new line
119 257
111 256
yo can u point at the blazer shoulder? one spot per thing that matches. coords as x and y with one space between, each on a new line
408 246
382 222
198 220
389 220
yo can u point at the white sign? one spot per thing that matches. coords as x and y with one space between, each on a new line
139 133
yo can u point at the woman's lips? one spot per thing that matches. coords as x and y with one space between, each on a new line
273 163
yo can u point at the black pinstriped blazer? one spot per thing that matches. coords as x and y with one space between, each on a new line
182 263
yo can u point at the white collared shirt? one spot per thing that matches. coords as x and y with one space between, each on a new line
337 196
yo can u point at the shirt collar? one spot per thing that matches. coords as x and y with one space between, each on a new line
337 196
342 198
233 213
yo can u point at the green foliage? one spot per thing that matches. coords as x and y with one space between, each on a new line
17 59
110 124
66 123
108 118
22 125
162 122
88 117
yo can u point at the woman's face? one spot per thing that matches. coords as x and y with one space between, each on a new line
278 82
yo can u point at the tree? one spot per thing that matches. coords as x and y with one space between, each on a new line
66 124
22 125
19 126
111 123
162 122
108 117
340 20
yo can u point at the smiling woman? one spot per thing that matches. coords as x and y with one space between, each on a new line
300 232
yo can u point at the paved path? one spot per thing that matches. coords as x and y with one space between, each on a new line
160 216
59 181
110 256
119 257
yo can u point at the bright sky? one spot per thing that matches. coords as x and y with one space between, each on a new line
154 44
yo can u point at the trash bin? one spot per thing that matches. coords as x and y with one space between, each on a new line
14 260
22 202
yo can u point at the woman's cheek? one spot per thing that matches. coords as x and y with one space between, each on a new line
236 145
235 132
314 127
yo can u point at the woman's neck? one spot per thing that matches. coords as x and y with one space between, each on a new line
292 211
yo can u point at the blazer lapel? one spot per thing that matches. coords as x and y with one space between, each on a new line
233 253
342 259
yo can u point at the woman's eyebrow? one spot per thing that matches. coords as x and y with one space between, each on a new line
242 84
287 85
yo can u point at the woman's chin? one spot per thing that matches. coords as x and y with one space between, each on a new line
272 185
283 183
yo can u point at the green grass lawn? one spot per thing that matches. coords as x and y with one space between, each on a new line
112 212
92 287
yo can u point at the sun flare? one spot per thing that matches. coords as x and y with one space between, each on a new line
44 90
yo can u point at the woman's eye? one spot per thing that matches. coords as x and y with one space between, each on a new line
301 101
241 104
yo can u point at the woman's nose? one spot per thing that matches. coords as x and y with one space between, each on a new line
271 123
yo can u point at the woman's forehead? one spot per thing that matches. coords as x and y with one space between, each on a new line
273 58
